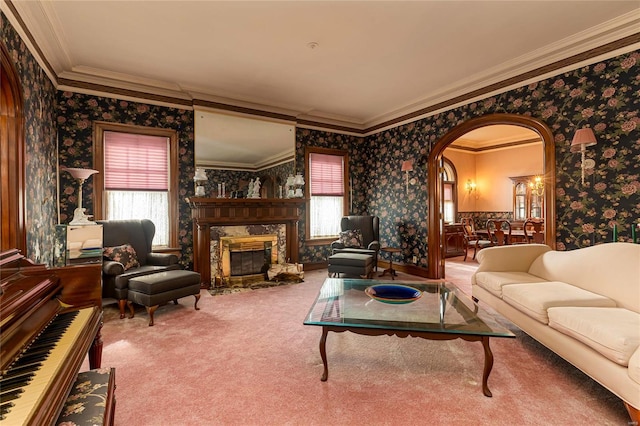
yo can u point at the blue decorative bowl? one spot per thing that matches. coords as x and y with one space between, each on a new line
393 293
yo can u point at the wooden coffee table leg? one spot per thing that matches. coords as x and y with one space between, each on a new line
488 365
323 354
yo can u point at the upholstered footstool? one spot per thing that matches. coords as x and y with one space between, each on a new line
156 289
351 264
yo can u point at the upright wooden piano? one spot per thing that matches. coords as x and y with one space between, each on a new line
49 320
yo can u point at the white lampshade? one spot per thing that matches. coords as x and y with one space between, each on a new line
79 173
200 175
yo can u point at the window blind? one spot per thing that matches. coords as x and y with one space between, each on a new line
448 192
135 162
326 175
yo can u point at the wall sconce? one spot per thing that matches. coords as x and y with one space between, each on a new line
199 177
79 218
470 186
407 166
537 186
581 140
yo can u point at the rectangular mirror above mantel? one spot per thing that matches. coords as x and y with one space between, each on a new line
208 213
235 148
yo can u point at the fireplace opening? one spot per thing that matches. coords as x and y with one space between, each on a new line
250 260
245 260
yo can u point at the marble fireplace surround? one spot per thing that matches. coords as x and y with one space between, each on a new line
224 212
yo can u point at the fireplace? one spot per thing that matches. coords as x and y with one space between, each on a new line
222 212
245 259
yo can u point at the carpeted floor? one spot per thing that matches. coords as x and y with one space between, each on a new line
246 359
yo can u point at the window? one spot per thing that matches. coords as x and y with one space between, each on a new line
449 199
136 167
327 188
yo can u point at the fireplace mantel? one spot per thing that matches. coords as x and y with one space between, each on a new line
208 212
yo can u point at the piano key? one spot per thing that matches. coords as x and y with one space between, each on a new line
10 396
44 377
21 368
16 383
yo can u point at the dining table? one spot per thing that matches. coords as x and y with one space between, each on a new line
517 235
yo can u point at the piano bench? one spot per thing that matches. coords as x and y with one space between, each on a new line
92 399
156 289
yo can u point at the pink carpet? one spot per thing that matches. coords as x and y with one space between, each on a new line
247 359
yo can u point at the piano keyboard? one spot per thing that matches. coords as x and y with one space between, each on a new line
29 377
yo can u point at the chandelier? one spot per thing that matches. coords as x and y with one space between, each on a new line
537 186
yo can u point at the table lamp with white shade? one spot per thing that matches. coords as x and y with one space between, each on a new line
79 217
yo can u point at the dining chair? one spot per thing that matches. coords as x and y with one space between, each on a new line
499 231
471 238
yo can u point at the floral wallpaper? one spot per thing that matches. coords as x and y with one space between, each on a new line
357 161
40 145
76 113
603 96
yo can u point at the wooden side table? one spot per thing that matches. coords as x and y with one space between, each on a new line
390 270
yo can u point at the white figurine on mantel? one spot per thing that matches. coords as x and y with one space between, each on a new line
250 189
256 189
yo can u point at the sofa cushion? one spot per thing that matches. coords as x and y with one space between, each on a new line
609 269
634 366
613 332
534 299
493 281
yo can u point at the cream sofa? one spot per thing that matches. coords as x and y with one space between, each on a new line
582 304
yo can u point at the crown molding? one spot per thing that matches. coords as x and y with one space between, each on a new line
607 51
15 17
624 27
37 24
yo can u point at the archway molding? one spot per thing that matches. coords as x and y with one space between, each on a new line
435 243
12 154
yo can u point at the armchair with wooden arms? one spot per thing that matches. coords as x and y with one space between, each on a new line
366 243
127 254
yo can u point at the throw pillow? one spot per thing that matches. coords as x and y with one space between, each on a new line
351 238
124 254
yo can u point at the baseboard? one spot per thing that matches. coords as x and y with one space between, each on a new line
312 266
406 268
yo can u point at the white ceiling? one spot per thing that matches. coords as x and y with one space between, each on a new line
374 60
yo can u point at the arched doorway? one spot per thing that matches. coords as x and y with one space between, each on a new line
12 233
434 165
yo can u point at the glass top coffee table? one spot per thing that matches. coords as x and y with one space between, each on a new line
435 311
